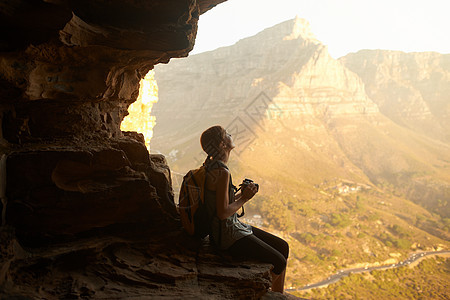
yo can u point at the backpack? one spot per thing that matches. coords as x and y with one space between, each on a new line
194 214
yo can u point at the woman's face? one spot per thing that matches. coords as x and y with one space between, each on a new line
228 141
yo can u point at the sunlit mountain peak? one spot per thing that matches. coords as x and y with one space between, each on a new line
301 29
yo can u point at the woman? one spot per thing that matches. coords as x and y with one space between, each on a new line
227 232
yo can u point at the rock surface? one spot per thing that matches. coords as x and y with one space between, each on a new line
86 211
136 264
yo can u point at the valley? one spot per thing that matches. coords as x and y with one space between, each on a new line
413 259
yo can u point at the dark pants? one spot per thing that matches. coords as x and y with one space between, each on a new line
264 247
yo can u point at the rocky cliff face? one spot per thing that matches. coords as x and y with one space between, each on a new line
66 85
282 70
279 60
130 263
410 88
86 211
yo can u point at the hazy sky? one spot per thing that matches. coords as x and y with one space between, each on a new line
344 25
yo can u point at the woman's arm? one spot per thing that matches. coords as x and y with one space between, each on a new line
224 208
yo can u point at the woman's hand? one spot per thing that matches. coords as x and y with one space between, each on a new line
224 208
249 191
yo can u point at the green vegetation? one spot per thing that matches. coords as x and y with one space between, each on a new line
373 217
340 220
399 231
276 213
446 222
331 232
428 280
328 231
360 203
391 241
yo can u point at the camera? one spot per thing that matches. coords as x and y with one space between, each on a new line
242 186
246 182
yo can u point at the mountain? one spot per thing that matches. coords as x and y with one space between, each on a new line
412 89
340 178
283 81
283 69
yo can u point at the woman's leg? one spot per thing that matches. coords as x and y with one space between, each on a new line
262 249
278 282
276 242
281 246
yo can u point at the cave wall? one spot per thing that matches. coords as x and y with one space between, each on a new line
81 61
68 72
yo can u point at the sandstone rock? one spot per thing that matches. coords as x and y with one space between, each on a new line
72 189
137 264
83 65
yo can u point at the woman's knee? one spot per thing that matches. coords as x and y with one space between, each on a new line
279 266
278 243
284 249
282 246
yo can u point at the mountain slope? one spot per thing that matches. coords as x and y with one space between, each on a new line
413 89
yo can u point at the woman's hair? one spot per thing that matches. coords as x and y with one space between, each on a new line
210 140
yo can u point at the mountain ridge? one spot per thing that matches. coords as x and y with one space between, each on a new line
394 77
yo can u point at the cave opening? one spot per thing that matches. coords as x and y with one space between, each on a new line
139 118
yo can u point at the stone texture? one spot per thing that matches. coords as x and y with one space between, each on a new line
134 265
87 71
70 189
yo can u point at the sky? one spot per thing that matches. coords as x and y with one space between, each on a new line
343 25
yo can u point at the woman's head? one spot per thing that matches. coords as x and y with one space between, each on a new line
216 142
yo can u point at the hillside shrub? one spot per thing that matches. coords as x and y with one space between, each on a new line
339 220
399 231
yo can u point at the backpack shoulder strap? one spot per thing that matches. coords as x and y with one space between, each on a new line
214 165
